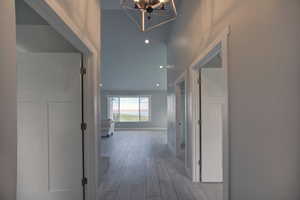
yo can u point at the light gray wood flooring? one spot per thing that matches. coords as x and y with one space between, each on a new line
141 168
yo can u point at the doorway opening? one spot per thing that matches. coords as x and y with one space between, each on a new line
51 111
137 161
213 96
209 104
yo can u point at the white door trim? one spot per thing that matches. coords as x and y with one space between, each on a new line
219 45
180 79
62 23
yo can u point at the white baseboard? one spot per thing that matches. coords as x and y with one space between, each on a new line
141 129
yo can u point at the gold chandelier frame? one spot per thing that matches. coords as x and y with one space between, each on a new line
138 6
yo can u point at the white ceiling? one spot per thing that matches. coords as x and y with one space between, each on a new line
110 4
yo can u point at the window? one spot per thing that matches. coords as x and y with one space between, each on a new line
129 109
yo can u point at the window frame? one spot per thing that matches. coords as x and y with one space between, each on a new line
130 96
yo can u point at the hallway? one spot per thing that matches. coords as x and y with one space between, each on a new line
142 168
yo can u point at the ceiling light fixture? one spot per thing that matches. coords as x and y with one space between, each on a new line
170 67
157 84
147 41
149 14
161 67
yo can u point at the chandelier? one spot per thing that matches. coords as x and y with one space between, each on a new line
149 14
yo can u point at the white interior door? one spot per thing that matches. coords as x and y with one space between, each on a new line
182 142
213 98
49 117
179 123
178 120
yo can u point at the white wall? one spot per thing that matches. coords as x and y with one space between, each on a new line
25 15
34 34
128 63
8 105
264 90
84 16
41 38
158 109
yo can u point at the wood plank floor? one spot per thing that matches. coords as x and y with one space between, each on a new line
141 168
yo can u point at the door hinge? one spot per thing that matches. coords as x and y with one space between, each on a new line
82 70
83 126
199 122
84 181
199 162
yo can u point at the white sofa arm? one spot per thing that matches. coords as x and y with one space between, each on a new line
107 128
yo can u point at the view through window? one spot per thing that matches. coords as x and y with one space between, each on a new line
129 109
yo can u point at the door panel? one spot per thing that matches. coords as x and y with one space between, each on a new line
213 96
30 126
49 136
62 117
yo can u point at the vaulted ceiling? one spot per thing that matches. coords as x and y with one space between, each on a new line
127 63
110 4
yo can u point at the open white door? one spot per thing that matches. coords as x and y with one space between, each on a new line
181 136
178 122
49 135
213 102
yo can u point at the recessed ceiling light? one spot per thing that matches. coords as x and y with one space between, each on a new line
147 41
161 67
157 84
100 85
